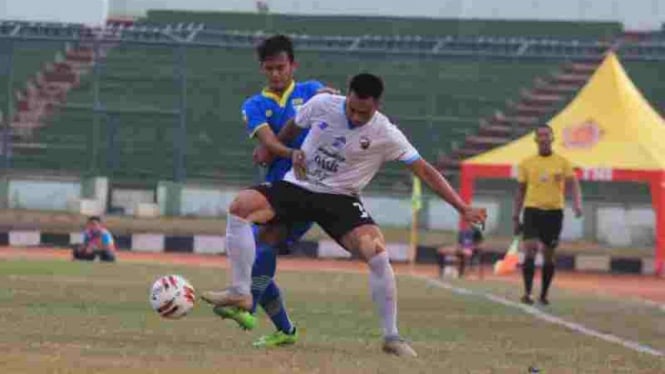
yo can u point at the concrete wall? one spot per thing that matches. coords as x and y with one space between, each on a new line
42 195
610 223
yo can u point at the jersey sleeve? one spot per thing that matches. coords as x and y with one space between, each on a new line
314 86
521 172
310 111
107 239
253 116
399 148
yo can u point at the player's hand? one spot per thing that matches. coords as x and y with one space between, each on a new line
328 90
475 216
299 164
578 211
262 156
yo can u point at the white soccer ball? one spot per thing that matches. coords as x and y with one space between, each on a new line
172 296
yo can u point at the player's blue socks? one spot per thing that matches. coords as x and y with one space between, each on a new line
264 289
262 272
273 304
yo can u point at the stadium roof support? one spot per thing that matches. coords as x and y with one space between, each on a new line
609 131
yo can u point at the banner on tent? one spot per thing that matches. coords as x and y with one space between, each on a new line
597 174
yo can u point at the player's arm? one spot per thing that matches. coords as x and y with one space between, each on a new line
316 87
256 122
399 148
520 194
289 132
573 185
438 183
107 241
518 204
269 140
276 144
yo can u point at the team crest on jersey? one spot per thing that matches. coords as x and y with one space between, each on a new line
544 177
268 113
364 142
339 142
297 104
323 125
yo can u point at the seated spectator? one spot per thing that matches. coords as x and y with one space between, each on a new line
468 247
97 242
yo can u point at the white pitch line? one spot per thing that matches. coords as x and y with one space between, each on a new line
548 317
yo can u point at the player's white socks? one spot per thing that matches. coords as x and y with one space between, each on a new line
241 250
384 292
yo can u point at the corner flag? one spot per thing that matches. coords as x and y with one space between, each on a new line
416 195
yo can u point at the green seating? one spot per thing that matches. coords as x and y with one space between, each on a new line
436 103
350 25
429 100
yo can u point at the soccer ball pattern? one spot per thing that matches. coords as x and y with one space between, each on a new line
172 296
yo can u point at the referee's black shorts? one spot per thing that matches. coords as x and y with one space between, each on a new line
544 225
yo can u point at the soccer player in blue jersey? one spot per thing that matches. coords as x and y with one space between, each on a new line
264 115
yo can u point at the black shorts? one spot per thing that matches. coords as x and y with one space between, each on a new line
336 214
544 225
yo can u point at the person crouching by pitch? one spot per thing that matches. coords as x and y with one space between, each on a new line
469 246
97 242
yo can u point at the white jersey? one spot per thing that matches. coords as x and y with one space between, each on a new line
342 158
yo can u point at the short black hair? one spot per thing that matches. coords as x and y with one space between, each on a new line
366 85
275 45
544 126
94 219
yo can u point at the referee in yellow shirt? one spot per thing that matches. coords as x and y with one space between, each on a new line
543 180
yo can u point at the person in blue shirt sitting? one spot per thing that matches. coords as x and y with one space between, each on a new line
97 242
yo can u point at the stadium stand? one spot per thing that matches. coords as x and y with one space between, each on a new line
431 100
354 26
454 94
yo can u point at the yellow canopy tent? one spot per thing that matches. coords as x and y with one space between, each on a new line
609 131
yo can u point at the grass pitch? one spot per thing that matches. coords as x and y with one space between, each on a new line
61 317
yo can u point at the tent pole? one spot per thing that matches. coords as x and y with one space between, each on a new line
466 188
658 199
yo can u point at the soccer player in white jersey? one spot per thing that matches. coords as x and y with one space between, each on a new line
348 141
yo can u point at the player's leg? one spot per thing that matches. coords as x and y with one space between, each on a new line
106 255
369 242
261 204
461 265
78 253
273 304
249 206
263 272
272 300
552 224
531 235
345 219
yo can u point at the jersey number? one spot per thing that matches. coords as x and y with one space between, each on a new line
361 208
